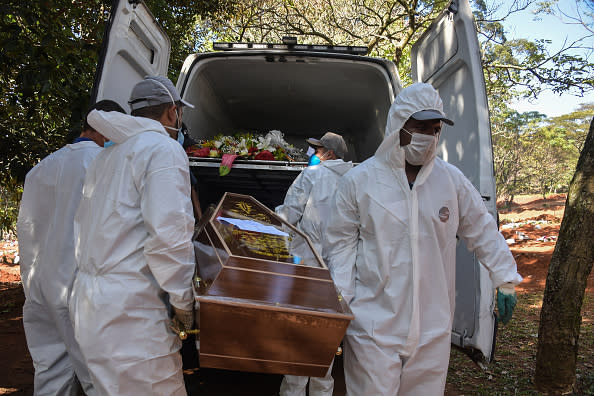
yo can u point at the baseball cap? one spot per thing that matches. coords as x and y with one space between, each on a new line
154 90
431 115
330 141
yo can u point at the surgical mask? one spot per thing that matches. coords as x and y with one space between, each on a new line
314 160
108 143
180 137
420 149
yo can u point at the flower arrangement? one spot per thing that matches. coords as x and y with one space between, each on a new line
271 147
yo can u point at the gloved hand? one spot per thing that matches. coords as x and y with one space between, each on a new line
183 320
506 301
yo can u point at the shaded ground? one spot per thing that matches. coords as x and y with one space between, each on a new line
529 219
526 220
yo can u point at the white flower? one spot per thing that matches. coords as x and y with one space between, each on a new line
275 137
218 144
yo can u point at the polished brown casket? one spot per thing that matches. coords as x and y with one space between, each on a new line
263 307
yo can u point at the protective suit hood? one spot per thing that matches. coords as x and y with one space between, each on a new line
338 166
416 97
119 127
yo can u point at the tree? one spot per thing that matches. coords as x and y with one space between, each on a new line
556 146
180 20
571 264
551 161
388 28
49 56
526 68
511 132
574 125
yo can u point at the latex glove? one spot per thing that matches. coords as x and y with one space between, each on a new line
183 320
506 301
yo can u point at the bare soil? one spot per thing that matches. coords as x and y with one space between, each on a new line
527 220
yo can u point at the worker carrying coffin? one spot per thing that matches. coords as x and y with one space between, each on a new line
391 249
134 227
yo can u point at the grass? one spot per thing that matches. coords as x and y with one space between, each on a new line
512 371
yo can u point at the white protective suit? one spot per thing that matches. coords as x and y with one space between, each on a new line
133 228
307 206
394 259
53 189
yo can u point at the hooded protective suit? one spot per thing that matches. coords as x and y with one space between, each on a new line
133 228
392 253
307 206
310 198
53 189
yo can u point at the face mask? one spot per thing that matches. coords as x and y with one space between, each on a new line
179 130
314 160
180 137
108 143
420 149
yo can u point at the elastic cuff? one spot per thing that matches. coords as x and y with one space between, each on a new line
508 288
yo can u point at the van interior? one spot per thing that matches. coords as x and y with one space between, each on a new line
302 96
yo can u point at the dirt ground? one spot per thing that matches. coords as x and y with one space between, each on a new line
532 223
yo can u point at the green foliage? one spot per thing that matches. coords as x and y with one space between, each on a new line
533 154
48 62
50 50
10 195
386 27
511 149
522 67
180 19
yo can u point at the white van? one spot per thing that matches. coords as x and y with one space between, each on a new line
304 91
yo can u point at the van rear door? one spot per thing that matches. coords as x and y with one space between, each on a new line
134 46
448 56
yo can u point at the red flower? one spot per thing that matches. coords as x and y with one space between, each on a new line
252 149
194 151
203 152
264 155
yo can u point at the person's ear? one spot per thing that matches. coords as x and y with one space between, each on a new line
172 114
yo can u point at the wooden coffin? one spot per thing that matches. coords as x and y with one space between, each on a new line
259 311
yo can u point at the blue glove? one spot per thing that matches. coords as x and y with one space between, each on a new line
506 302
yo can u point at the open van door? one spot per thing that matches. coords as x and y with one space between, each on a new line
448 56
134 46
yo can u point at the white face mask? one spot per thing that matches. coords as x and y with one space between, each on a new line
420 149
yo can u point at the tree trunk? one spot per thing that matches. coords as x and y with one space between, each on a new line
560 317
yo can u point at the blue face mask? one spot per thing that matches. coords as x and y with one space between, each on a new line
314 160
108 143
180 137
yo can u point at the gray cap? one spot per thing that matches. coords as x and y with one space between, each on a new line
330 141
431 115
154 90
